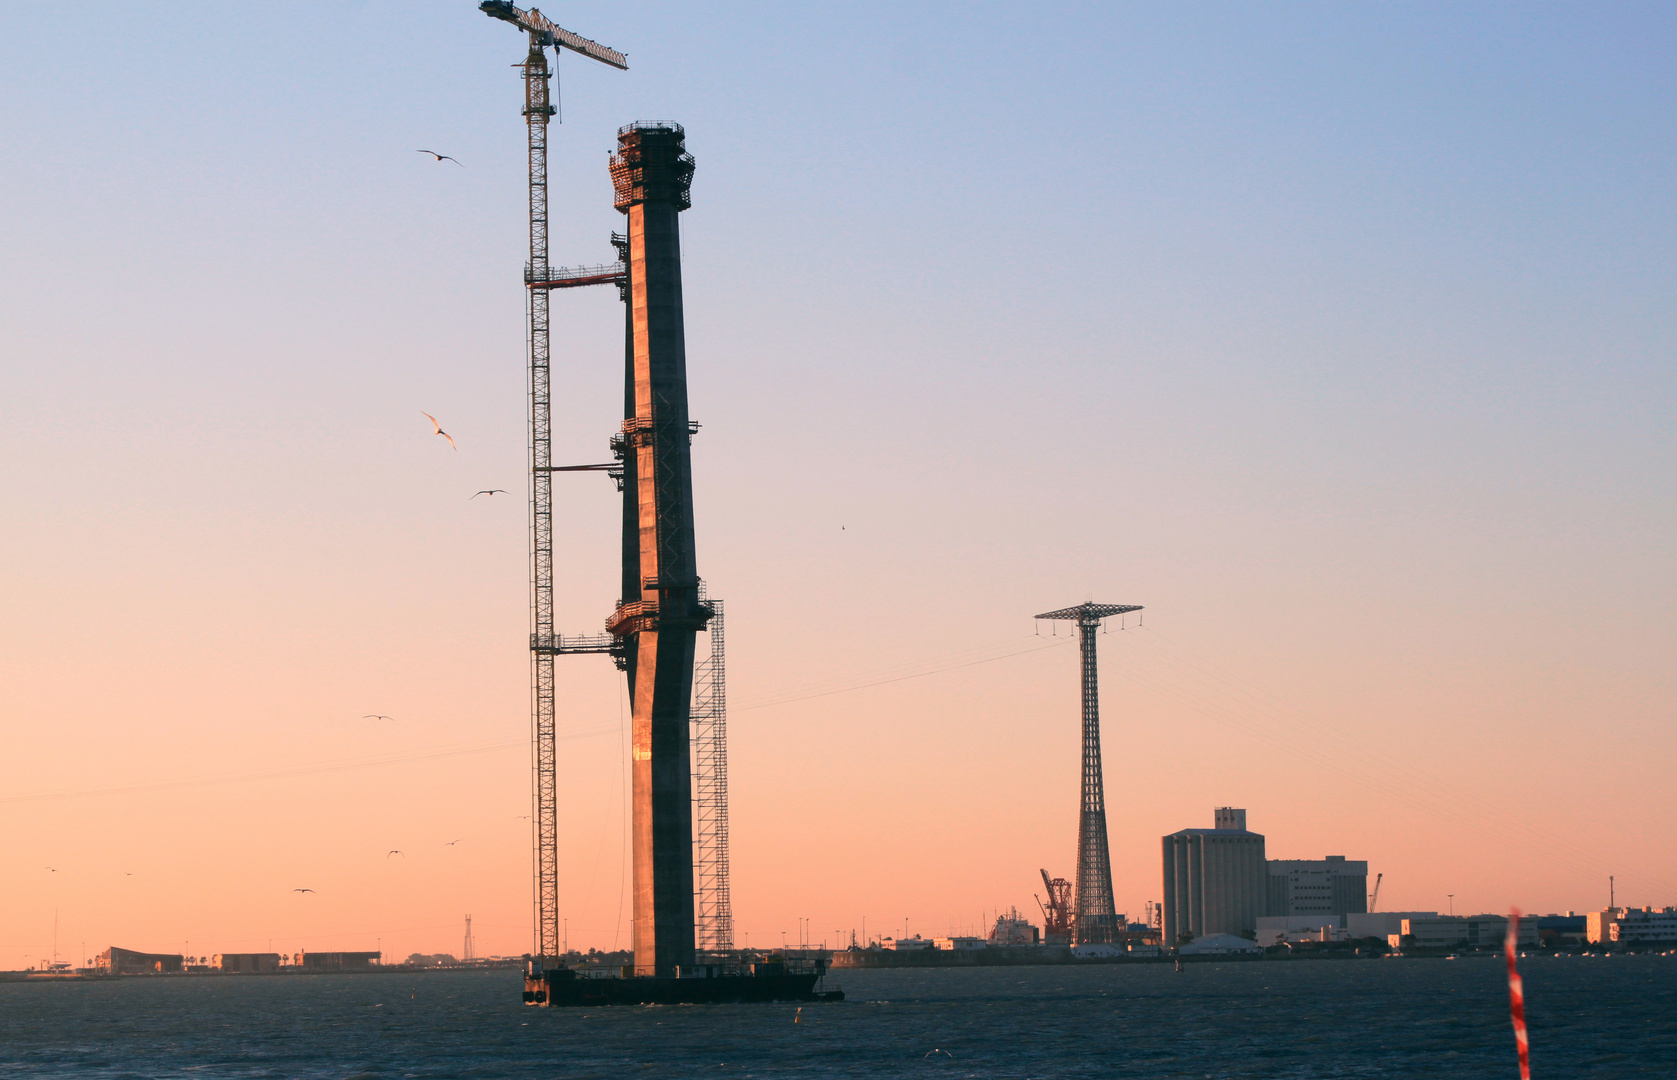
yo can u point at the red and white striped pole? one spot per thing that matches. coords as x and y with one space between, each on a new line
1517 994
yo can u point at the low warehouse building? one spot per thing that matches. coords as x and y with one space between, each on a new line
1463 931
338 961
117 961
247 962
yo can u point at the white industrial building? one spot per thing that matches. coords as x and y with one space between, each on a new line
952 944
908 944
1384 925
1640 926
1277 929
1331 886
1461 932
1381 924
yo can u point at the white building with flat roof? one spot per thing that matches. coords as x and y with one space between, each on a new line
1463 932
1381 924
909 943
1273 930
1645 926
1331 886
952 943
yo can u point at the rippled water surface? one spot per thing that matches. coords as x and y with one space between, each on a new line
1397 1018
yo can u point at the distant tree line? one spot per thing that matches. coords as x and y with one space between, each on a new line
441 959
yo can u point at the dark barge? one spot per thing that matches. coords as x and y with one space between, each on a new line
704 984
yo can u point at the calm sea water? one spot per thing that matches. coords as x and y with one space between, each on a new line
1398 1018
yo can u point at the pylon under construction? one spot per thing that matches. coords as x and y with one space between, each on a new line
661 612
679 744
1095 918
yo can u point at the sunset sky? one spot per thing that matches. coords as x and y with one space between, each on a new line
1342 337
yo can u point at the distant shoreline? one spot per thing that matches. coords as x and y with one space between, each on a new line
875 960
284 972
1041 956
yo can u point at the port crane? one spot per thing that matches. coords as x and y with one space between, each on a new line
1374 897
1056 911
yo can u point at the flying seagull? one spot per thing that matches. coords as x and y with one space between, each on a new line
451 843
54 869
440 157
376 716
393 851
439 428
490 491
302 890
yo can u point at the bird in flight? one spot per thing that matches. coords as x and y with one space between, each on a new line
451 843
302 890
393 851
53 869
440 157
376 716
490 491
439 428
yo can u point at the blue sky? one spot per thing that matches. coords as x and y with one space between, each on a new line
1340 335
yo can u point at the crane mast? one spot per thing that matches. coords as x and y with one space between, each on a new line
544 643
545 811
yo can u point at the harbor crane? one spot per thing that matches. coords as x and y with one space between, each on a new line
1056 911
1374 898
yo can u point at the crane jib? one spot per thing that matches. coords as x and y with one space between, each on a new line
549 33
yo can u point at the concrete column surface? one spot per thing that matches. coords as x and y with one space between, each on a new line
660 572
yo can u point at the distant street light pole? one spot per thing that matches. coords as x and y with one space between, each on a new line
1452 897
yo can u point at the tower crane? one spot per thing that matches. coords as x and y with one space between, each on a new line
544 643
546 34
1374 898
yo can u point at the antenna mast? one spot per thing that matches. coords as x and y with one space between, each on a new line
1096 918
